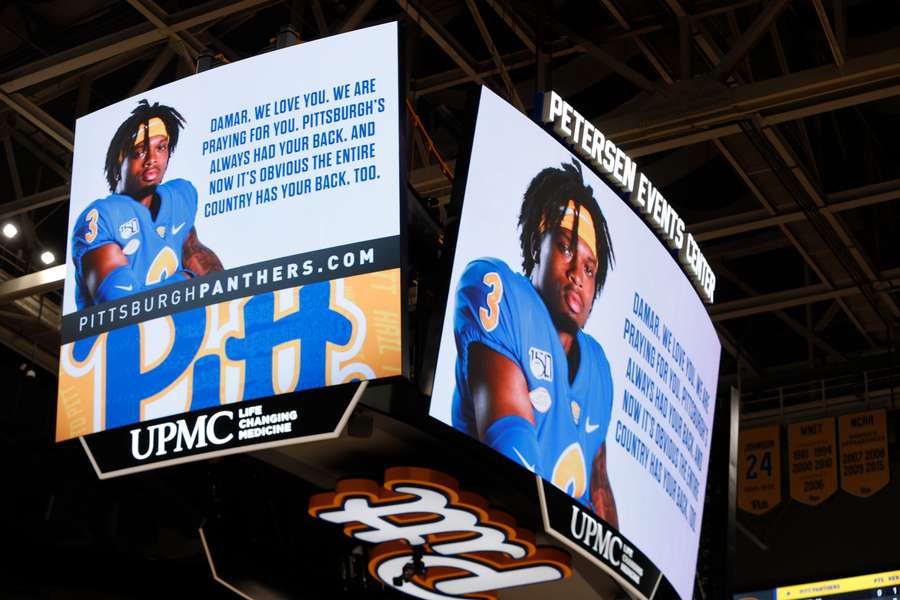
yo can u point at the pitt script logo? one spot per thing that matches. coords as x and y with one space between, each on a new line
467 549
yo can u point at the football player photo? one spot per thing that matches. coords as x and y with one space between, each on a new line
530 383
141 235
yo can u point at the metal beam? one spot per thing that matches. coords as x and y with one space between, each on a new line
29 203
28 349
747 41
840 24
853 249
41 153
734 349
512 93
761 219
792 323
836 51
715 112
827 317
515 23
35 115
38 282
153 71
442 38
63 85
120 42
785 70
754 189
651 57
26 225
765 303
319 17
675 7
185 43
514 60
606 59
356 16
684 48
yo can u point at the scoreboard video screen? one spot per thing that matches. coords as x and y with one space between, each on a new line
235 235
574 344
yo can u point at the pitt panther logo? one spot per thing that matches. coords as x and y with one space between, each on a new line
435 541
273 343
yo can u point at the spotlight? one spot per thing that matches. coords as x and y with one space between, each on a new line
10 230
47 257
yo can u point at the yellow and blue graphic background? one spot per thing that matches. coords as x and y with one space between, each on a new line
305 337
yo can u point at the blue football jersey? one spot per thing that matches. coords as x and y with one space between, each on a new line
501 310
152 247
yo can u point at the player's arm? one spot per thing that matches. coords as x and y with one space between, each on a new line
601 492
197 258
503 412
106 273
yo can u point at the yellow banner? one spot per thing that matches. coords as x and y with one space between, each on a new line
759 469
888 582
864 452
812 461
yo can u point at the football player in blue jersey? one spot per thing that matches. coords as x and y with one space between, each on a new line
142 235
529 382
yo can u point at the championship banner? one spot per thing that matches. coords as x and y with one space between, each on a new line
235 235
864 452
759 469
813 461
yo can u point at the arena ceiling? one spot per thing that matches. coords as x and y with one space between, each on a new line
770 126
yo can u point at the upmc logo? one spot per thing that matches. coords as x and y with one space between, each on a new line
456 546
157 440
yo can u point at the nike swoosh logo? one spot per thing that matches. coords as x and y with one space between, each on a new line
524 462
175 230
590 428
127 288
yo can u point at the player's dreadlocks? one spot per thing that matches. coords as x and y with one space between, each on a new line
543 208
123 141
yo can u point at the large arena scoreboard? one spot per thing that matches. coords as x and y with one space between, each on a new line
574 343
234 236
878 586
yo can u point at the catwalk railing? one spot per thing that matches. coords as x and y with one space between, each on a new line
874 388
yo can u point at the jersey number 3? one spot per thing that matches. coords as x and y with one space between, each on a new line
91 219
490 316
